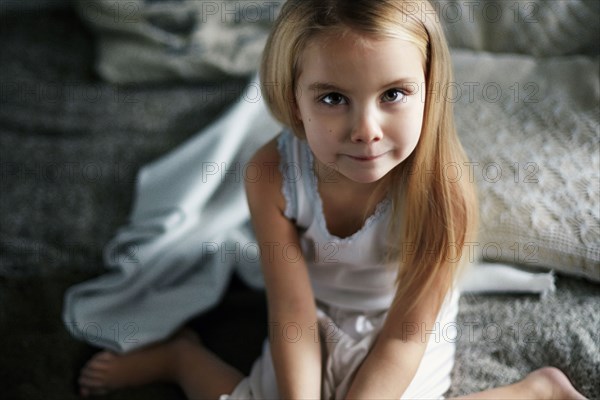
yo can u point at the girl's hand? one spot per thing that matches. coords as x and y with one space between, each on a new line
392 363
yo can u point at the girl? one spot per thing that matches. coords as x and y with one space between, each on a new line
359 227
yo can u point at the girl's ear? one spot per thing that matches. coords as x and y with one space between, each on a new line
296 106
297 114
297 122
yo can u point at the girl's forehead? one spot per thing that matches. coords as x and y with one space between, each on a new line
335 50
338 34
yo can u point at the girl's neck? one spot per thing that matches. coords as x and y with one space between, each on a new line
347 204
330 179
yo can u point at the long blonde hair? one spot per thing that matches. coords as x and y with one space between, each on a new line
434 215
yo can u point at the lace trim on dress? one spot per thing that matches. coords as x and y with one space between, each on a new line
283 146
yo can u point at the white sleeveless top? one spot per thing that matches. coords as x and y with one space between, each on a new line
346 272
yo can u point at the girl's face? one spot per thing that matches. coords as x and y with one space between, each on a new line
359 102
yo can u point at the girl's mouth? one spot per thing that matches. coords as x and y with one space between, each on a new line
365 158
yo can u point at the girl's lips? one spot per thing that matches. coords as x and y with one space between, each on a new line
364 158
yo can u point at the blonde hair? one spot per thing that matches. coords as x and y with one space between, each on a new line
432 214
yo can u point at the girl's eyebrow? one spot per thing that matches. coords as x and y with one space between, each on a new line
326 86
323 87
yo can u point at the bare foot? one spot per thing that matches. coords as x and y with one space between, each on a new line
552 383
107 371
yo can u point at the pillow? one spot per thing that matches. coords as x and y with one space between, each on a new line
530 128
535 27
149 41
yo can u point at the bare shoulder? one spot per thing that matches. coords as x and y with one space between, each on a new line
268 154
263 179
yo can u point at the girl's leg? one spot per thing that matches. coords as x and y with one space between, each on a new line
182 360
544 383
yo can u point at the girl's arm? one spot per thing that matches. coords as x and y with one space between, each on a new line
291 306
396 354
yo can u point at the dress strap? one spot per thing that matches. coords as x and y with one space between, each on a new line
294 166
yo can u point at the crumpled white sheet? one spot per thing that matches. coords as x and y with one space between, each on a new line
502 278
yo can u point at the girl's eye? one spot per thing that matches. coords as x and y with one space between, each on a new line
393 95
333 99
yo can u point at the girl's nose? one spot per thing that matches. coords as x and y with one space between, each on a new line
366 129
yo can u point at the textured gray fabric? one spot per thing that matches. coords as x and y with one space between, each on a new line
149 41
502 338
540 28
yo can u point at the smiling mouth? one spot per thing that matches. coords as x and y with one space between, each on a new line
365 158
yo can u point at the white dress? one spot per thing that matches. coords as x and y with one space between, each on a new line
353 290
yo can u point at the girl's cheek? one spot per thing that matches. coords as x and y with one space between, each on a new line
331 129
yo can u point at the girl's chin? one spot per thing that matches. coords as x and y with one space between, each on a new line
355 171
365 177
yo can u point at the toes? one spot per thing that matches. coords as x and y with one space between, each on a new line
90 383
92 374
92 378
99 362
92 386
103 357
